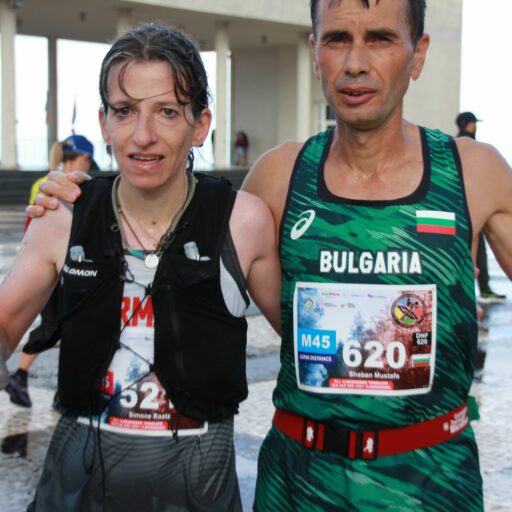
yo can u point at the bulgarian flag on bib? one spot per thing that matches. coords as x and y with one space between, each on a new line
439 223
420 360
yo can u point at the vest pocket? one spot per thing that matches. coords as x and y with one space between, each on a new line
199 346
78 280
190 272
84 285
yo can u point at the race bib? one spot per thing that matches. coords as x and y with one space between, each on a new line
143 408
138 402
365 339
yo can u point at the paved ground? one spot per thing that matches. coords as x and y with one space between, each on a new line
25 433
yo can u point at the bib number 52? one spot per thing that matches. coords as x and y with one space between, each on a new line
146 396
373 353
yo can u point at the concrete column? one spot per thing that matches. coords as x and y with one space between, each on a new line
7 33
124 20
304 75
51 106
221 146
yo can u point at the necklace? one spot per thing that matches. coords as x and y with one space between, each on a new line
126 214
152 258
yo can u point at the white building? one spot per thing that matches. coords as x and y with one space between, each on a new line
265 84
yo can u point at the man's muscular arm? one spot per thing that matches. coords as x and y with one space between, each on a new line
252 230
488 181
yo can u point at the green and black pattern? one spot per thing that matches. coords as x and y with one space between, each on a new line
428 479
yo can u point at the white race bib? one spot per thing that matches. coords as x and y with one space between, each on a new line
365 339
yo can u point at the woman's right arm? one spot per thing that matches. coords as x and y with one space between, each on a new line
32 277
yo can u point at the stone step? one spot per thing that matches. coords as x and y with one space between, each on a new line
15 185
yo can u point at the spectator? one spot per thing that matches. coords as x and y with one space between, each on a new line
241 149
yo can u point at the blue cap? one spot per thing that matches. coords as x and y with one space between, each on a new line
78 144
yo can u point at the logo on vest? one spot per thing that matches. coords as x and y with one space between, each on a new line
302 225
79 272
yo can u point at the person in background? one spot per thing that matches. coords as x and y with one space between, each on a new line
466 122
241 148
75 153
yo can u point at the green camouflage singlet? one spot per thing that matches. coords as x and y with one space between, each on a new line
342 230
379 331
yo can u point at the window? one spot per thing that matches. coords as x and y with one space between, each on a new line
325 117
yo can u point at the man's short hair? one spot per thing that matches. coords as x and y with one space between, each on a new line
416 15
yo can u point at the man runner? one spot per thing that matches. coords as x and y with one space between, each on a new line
378 221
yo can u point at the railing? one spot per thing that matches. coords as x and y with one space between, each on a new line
32 155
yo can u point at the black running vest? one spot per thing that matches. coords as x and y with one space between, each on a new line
199 345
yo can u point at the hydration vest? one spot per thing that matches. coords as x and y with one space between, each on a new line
199 346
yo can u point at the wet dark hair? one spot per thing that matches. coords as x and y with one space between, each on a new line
157 42
416 15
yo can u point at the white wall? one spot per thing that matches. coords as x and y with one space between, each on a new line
256 98
433 100
287 94
281 11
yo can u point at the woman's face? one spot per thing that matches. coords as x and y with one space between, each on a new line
149 131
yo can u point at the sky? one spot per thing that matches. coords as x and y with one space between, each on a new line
486 76
486 73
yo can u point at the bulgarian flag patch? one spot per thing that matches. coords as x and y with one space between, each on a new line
420 360
439 223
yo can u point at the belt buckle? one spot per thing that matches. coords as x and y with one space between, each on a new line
351 444
337 440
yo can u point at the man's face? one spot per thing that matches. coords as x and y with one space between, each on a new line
365 58
149 131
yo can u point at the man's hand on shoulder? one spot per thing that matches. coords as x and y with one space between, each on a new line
59 186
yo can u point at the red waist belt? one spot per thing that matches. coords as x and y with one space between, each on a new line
370 444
